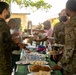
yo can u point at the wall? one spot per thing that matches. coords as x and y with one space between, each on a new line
23 19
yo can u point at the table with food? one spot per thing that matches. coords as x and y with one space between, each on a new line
35 63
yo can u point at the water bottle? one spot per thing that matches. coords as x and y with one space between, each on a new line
22 54
34 44
49 47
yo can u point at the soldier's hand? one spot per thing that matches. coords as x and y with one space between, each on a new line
60 52
15 34
21 45
16 40
54 57
56 67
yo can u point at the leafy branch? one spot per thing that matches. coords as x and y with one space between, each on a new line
28 3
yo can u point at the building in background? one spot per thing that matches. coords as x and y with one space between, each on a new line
23 17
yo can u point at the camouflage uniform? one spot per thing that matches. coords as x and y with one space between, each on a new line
68 60
58 33
6 45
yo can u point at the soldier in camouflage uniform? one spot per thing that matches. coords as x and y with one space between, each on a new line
68 61
6 44
58 33
59 28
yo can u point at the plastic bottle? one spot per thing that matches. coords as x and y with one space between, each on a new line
34 44
22 55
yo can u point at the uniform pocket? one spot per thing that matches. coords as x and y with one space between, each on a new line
70 40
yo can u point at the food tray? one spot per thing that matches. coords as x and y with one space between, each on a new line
32 65
38 62
22 62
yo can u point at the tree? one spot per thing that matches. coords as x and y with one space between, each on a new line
33 4
2 0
